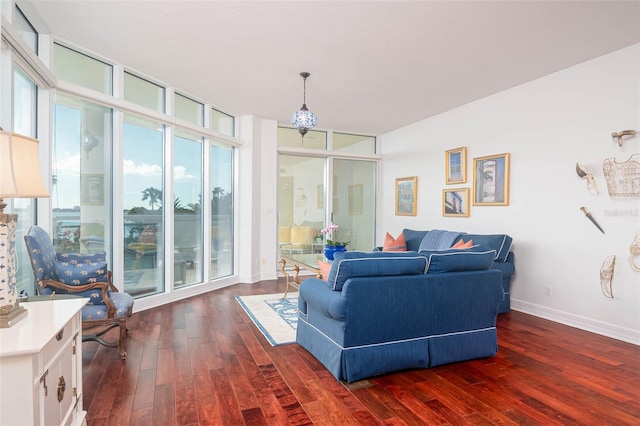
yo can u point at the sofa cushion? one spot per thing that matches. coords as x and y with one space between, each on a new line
360 264
394 244
413 238
501 243
325 268
462 245
74 274
456 260
438 239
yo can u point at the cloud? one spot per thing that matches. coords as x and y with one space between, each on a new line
144 169
67 166
180 173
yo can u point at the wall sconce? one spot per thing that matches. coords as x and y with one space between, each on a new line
20 177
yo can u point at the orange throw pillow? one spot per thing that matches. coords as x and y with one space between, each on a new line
394 244
325 268
462 245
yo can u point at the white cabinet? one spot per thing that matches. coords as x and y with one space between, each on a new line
41 365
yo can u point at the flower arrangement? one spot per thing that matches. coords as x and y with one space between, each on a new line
329 232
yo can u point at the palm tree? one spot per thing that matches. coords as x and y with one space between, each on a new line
154 195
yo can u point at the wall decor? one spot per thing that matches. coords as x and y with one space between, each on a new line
491 180
455 202
619 135
606 276
592 186
634 253
456 165
407 196
623 179
588 216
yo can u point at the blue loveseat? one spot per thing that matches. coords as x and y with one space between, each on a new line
381 312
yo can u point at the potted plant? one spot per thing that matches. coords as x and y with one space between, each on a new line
332 245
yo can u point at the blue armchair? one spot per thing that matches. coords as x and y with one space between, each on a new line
84 275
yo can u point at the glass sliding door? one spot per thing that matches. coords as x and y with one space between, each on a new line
221 184
143 205
354 201
187 209
301 204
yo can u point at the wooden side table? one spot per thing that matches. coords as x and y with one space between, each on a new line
307 261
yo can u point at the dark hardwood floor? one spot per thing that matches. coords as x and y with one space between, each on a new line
202 361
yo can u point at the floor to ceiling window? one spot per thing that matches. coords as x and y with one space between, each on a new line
81 175
222 225
187 209
24 122
143 201
160 176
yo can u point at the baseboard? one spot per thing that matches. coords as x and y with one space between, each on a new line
583 323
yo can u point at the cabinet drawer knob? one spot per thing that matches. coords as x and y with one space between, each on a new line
62 386
59 335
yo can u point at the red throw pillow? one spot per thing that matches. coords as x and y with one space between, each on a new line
394 244
325 268
462 245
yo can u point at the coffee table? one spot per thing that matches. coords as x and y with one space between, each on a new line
307 261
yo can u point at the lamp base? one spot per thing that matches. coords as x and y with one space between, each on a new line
13 316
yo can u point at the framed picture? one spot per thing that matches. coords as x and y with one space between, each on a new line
407 196
355 199
491 180
92 189
455 202
456 165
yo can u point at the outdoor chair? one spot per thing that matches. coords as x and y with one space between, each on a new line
82 275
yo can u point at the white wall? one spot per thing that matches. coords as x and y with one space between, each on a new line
256 206
547 125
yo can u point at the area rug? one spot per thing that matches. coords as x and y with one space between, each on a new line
275 317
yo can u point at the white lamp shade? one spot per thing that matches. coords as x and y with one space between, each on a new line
20 175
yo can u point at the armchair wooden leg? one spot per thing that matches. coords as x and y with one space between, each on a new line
121 343
96 337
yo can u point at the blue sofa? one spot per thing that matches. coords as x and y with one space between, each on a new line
381 312
501 243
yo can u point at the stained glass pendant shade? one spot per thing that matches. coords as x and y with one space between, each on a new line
303 119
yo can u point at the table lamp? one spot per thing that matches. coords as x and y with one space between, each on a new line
20 177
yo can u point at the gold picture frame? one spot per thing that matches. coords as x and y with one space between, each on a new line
491 180
455 161
407 196
455 202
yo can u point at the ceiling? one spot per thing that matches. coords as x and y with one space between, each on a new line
375 65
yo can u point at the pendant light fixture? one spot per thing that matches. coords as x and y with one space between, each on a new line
303 119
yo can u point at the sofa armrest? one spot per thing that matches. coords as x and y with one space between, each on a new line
316 293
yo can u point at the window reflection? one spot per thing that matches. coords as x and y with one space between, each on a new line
221 211
187 210
80 194
143 177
